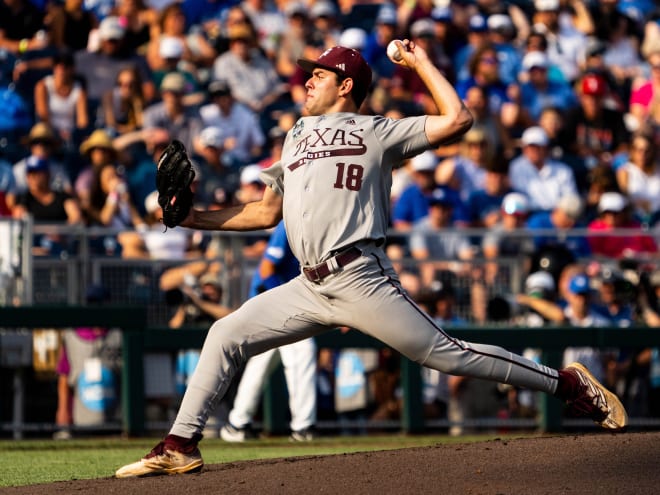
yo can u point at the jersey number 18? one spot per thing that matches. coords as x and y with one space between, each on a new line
349 176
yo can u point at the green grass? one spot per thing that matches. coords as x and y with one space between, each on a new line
43 461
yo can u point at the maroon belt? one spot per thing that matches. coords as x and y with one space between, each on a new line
318 272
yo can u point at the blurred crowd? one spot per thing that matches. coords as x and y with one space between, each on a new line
564 95
564 149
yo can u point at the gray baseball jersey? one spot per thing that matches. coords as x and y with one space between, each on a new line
338 174
335 178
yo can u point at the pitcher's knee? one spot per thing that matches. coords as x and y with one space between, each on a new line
222 338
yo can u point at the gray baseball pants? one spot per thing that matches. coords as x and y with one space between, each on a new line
365 295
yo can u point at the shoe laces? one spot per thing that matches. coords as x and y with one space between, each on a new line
590 401
158 450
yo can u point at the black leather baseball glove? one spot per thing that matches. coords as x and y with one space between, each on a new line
173 178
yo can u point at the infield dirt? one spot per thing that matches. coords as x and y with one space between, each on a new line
601 463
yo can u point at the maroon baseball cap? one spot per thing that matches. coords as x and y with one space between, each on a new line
346 62
594 84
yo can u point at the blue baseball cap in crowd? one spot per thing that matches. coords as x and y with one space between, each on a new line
441 14
579 284
441 197
386 15
478 24
36 164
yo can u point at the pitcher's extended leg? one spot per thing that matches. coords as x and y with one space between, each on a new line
280 316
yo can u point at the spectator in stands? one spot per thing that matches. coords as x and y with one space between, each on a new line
406 85
505 238
232 16
201 303
182 122
639 177
46 205
565 42
42 143
244 138
7 188
293 40
20 21
97 150
543 180
476 99
501 32
139 20
564 217
622 40
484 205
483 67
615 298
536 42
171 50
539 92
140 151
580 311
477 38
434 248
251 77
123 105
100 65
354 38
110 203
326 28
594 63
600 179
251 188
599 132
449 37
614 214
645 93
540 290
70 25
197 51
375 50
151 242
553 122
61 101
221 180
413 205
269 20
466 171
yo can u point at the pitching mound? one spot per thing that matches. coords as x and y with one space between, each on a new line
585 464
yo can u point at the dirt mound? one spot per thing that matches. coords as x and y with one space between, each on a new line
586 464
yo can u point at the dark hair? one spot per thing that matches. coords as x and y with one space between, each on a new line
541 36
358 93
168 10
64 57
476 56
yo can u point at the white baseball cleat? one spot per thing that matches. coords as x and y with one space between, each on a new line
595 401
162 460
232 434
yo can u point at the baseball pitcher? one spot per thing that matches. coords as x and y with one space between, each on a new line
332 188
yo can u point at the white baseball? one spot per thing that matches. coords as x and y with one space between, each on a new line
393 51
